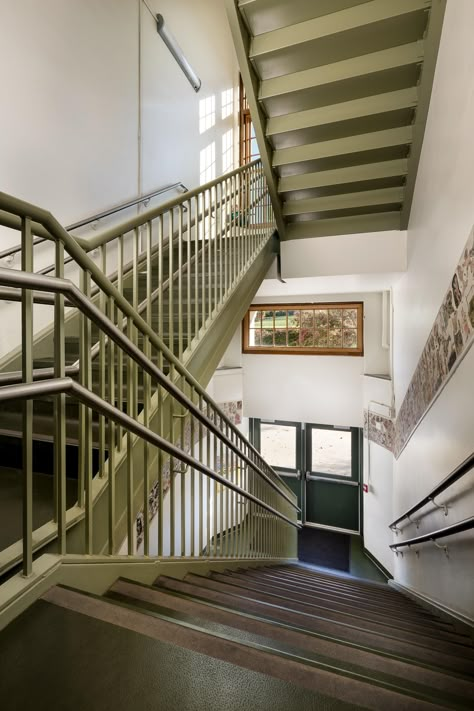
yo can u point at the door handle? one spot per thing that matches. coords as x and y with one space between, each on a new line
307 476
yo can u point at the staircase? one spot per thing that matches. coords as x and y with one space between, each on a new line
280 638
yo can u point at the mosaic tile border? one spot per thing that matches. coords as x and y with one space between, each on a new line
379 429
450 338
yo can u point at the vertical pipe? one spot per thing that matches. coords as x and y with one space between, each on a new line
27 377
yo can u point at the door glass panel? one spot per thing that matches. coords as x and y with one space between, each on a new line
278 445
331 452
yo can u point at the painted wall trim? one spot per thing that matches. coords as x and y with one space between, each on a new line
434 605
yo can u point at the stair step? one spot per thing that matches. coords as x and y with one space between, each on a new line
403 606
434 655
405 620
74 660
450 643
247 651
394 671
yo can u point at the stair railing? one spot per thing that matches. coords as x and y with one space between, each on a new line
226 224
251 504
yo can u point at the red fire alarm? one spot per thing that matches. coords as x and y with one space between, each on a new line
365 488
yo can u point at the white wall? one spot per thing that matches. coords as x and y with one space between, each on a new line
367 253
378 476
96 111
319 389
441 219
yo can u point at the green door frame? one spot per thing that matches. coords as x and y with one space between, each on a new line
302 479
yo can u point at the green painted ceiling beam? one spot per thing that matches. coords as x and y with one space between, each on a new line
386 59
336 22
344 111
382 196
343 146
377 222
341 176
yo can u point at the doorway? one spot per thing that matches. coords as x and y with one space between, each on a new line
321 465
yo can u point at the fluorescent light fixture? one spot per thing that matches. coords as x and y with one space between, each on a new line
177 53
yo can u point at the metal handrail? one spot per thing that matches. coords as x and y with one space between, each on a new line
76 249
101 215
57 386
466 525
453 477
53 285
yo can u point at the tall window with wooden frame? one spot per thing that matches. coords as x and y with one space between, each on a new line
248 148
305 329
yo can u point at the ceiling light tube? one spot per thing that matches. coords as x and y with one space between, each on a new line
177 53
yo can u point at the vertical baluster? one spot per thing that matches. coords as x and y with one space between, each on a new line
201 501
102 364
234 477
215 277
180 282
170 280
160 509
119 350
130 470
220 229
111 434
85 448
60 406
208 489
240 226
183 470
225 526
189 243
228 211
27 377
228 494
147 394
193 485
208 221
197 262
214 466
172 474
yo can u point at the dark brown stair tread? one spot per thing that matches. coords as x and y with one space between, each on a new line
343 687
418 638
177 601
430 655
57 659
373 611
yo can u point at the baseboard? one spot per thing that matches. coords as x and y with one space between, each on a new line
387 575
436 606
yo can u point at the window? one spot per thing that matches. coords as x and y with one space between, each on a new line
248 143
320 329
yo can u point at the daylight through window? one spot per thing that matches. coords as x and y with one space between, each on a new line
324 329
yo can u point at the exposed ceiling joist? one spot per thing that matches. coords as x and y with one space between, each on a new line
342 146
344 225
365 198
344 111
342 176
347 69
333 23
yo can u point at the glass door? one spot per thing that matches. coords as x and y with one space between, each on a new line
332 493
280 444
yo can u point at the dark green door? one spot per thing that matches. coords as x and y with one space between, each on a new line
320 464
332 492
281 445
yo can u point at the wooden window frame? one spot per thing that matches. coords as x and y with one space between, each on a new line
308 350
